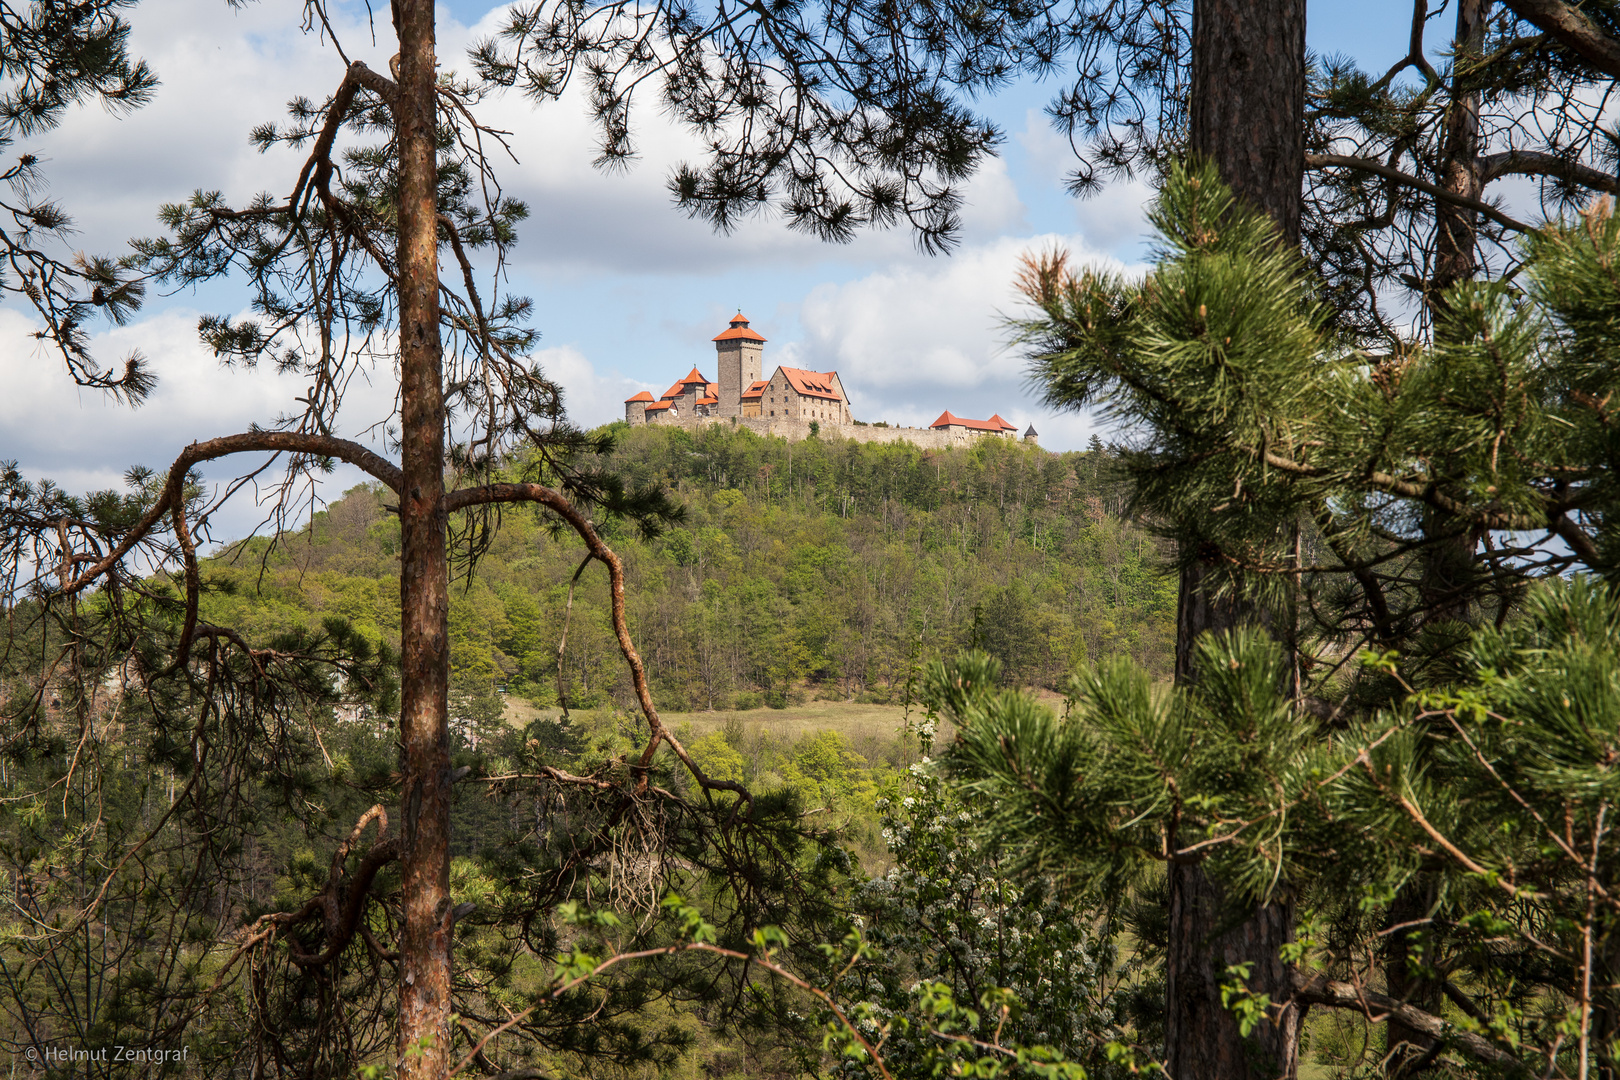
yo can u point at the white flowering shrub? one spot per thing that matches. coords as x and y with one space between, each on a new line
1020 966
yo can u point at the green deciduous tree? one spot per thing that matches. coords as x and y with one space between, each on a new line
955 910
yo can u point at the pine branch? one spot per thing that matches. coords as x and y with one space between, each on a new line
1315 988
1535 163
1572 29
273 441
1345 161
560 505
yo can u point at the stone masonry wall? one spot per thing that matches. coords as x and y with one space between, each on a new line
797 430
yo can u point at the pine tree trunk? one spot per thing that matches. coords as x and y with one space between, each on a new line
1406 1047
1207 935
424 1015
1246 115
1246 110
1447 563
1206 938
1456 227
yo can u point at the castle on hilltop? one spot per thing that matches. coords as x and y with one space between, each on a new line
789 402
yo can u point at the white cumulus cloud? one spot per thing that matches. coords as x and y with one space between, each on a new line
910 341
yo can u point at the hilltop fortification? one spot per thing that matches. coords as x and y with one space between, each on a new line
792 403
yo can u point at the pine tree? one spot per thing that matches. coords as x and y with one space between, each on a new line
1403 199
1252 418
1245 117
56 54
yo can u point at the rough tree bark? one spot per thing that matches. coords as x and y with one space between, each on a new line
1456 225
424 1022
1247 101
1247 116
1448 562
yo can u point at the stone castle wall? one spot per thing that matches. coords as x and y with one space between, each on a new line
797 430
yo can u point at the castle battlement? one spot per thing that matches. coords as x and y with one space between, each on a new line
788 402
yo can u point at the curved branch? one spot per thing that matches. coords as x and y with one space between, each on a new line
559 504
1536 163
1378 168
1577 539
294 442
1571 29
1318 989
547 772
359 891
1431 494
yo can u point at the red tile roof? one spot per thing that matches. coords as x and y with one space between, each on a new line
995 418
643 396
813 383
755 389
693 379
739 329
659 405
995 423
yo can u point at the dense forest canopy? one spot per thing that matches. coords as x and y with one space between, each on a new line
825 568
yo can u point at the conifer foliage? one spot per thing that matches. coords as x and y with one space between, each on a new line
55 54
1303 774
1252 418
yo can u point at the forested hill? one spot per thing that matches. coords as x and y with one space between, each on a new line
822 568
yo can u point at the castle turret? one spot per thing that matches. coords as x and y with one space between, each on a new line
1032 436
740 353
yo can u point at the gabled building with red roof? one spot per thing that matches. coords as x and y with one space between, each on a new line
752 396
795 394
694 395
789 401
960 427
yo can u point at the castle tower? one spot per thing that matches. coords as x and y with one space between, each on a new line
740 356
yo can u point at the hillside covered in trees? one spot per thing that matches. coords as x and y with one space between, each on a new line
819 569
824 568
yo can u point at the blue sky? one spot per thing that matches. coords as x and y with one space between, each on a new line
627 291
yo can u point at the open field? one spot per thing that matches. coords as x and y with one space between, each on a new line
858 722
873 731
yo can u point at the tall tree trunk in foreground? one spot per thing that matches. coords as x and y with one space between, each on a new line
424 1023
1247 101
1448 562
1247 117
